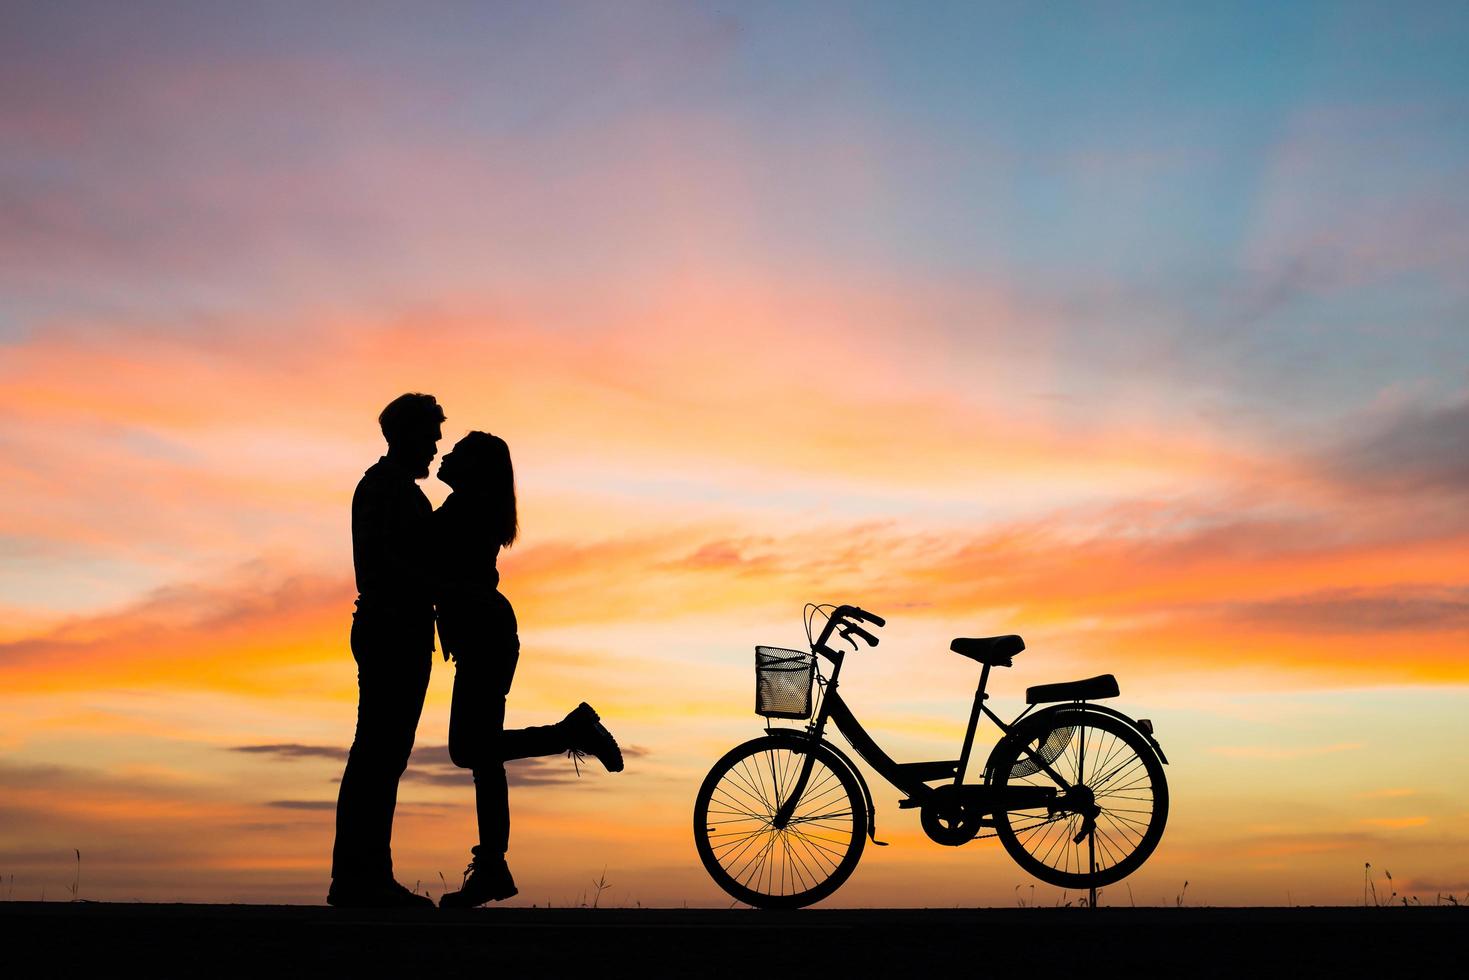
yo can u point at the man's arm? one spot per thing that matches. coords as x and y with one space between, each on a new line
372 552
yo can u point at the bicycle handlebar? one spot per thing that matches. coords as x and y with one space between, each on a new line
840 619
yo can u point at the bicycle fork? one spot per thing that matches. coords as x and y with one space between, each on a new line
787 808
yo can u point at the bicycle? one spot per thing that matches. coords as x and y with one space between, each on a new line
1075 790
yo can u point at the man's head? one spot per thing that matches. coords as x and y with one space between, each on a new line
411 424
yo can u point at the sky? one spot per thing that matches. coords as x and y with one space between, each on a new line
1141 330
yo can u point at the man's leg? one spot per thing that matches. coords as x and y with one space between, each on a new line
391 685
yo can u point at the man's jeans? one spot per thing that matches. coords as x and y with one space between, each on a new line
391 682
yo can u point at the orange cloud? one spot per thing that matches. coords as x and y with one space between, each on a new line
1153 605
1396 823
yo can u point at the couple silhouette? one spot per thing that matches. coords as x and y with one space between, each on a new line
416 566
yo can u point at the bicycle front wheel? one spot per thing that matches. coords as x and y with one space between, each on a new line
788 867
1106 824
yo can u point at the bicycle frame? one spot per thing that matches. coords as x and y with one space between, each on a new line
913 777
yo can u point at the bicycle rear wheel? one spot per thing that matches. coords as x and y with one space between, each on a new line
1118 781
789 867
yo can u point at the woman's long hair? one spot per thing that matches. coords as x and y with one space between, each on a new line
491 477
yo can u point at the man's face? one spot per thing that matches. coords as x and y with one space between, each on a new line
419 452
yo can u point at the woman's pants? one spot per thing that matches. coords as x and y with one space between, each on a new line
477 737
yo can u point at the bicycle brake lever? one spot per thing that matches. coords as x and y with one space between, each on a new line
850 628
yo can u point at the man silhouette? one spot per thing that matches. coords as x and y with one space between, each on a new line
393 644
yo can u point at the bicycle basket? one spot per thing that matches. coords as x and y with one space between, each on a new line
783 682
1049 750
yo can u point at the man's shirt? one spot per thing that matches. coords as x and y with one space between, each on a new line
392 555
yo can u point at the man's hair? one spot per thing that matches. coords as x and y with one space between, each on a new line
409 415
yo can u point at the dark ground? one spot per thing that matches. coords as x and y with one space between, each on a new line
66 939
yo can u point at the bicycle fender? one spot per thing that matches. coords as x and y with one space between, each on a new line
1104 709
1100 709
846 760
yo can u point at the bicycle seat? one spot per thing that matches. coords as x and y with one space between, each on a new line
1101 686
996 651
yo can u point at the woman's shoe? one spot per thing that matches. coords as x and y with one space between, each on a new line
588 735
485 880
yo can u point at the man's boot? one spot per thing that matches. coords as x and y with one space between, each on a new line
349 893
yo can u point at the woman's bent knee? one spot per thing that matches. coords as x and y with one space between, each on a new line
493 772
460 757
468 750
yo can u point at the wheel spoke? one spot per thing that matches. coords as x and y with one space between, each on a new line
1112 761
750 783
732 862
1124 769
822 864
797 863
739 785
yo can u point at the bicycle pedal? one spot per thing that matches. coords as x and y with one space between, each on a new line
879 843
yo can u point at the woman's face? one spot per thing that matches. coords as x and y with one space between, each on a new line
469 465
456 468
447 468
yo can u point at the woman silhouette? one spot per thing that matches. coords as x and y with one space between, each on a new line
477 628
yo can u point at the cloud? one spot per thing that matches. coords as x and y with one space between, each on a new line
1178 585
1419 450
429 764
231 633
1407 207
432 765
131 820
723 555
1408 609
303 804
293 751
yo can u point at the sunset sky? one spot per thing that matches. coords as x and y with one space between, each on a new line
1141 330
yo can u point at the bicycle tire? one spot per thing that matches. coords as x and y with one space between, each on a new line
1123 772
792 867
